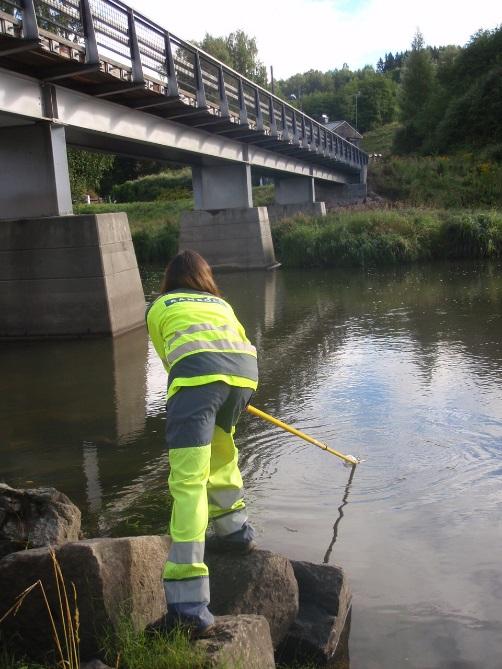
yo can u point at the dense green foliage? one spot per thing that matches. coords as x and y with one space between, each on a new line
127 169
168 185
380 139
239 51
263 195
381 237
334 93
86 171
461 180
455 102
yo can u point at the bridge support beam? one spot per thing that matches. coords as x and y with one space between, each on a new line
68 276
225 228
295 195
34 178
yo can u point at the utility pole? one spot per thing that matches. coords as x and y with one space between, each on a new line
272 79
356 96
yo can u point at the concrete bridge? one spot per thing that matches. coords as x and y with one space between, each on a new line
97 74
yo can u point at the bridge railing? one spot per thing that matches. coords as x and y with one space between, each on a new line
109 35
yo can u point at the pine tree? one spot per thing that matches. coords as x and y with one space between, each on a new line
417 80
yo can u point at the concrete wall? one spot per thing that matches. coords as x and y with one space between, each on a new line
34 178
229 239
222 187
334 194
294 190
277 212
68 276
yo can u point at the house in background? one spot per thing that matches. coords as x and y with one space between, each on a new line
345 130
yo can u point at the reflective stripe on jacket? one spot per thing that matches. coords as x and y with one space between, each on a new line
199 340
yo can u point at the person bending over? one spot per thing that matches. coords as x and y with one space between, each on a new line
212 373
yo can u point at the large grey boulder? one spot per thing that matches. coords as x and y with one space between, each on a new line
325 603
260 582
239 641
36 517
112 577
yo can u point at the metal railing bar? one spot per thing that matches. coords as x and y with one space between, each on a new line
172 81
70 30
109 48
116 34
91 46
30 25
199 83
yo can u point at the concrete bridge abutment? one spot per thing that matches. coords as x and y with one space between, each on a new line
225 228
295 195
60 275
343 193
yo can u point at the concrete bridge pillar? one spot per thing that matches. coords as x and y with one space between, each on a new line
225 228
295 195
61 275
34 179
222 187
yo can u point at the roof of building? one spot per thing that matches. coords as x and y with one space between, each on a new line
333 125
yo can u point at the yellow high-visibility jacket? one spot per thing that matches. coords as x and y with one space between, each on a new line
199 340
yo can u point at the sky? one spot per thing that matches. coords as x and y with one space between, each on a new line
299 35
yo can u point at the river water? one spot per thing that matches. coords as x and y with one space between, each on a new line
401 367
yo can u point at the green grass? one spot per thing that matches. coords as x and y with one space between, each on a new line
168 185
141 650
462 180
10 661
263 195
384 237
380 140
154 225
348 238
141 215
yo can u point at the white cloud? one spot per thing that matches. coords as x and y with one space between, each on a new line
298 35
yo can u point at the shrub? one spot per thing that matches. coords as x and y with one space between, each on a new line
382 237
456 181
170 185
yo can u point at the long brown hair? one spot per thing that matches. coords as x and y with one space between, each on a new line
188 269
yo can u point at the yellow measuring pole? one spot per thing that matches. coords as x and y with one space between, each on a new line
351 459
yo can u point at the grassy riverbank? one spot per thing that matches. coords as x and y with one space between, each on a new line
461 180
154 225
387 236
345 237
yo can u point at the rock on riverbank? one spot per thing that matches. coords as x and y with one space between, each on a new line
263 602
36 517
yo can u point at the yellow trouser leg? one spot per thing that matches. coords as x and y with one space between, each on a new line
187 483
224 488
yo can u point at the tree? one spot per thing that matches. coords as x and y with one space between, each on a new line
417 80
217 47
239 51
86 171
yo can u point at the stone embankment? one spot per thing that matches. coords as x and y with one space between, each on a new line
267 607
